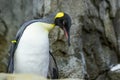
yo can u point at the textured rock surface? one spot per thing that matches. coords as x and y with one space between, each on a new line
20 77
95 34
26 77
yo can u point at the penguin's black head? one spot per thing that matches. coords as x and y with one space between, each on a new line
63 20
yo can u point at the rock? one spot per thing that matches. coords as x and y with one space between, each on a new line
114 73
26 77
115 68
20 77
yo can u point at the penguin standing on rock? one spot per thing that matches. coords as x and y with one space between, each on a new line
29 51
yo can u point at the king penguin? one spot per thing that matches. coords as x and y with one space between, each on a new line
29 52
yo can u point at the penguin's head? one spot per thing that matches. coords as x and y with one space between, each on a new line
63 20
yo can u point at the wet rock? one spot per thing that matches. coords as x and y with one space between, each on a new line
114 73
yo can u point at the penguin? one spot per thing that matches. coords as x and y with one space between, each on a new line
29 52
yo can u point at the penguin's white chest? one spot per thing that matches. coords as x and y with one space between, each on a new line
32 53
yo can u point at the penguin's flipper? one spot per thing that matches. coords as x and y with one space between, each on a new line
10 67
53 69
14 44
13 47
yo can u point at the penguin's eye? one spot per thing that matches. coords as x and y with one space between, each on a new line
59 22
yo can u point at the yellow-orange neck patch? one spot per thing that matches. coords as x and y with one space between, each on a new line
59 15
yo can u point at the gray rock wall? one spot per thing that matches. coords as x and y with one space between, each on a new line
95 34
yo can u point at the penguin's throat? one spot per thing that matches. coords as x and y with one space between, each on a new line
48 27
